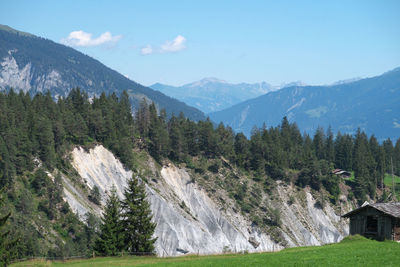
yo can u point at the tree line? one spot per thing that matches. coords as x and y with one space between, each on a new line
43 128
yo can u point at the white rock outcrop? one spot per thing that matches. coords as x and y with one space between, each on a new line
23 78
188 221
12 76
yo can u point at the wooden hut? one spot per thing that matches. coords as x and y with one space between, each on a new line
341 173
378 221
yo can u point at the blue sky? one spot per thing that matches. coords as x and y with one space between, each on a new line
176 42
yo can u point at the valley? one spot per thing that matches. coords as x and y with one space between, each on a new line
98 169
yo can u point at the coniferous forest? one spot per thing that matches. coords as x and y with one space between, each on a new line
37 133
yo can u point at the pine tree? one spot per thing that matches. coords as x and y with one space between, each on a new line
388 147
242 150
143 118
226 140
175 139
319 141
45 137
329 146
362 166
158 135
111 240
256 151
343 152
136 219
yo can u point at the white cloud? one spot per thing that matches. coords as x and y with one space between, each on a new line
176 45
84 39
147 50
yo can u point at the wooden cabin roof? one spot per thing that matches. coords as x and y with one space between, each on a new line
392 209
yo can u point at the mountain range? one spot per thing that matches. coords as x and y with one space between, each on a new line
371 104
34 64
212 94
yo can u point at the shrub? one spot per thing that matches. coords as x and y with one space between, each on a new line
214 167
95 196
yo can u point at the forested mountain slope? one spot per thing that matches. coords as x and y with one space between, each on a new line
33 64
370 104
274 190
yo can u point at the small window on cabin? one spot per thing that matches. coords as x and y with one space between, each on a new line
372 224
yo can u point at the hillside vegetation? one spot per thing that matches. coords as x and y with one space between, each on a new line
352 251
37 135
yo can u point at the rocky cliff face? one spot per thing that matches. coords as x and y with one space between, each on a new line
189 221
26 79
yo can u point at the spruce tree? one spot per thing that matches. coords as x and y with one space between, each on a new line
176 140
136 219
362 162
111 240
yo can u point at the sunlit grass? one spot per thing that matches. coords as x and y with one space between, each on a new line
353 251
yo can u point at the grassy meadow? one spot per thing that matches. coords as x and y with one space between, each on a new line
352 251
388 180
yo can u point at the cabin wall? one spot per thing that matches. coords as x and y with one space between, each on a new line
357 224
384 229
388 228
396 230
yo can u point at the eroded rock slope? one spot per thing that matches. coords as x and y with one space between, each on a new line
189 221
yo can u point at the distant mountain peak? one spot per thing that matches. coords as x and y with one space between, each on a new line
205 81
290 84
157 84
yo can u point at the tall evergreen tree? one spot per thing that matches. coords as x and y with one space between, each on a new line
45 139
362 166
329 146
242 150
111 237
344 152
226 139
388 147
143 118
256 151
319 143
136 219
207 138
176 139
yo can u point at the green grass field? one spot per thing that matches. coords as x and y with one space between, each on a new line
388 180
353 251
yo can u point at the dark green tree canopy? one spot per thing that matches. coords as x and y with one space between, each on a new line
136 219
111 237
